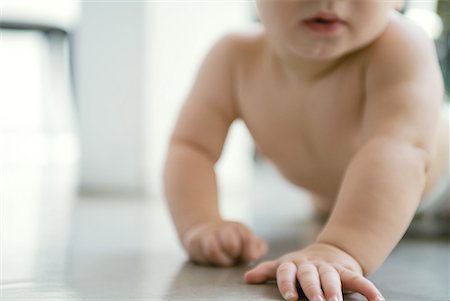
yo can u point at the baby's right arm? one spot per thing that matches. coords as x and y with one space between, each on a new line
195 147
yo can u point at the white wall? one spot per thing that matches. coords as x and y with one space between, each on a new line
110 57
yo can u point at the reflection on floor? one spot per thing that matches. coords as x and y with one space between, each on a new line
58 247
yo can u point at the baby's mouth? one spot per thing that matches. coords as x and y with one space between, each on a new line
324 23
321 20
324 18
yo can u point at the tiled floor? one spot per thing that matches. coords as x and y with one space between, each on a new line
57 247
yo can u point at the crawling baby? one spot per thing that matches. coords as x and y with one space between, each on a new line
344 97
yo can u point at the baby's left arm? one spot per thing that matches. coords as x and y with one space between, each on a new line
384 181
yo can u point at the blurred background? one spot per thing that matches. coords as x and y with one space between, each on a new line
97 84
89 92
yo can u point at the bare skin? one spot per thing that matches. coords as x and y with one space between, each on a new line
360 130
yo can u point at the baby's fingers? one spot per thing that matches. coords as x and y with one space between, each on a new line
286 281
355 282
194 249
331 282
213 252
230 241
262 272
309 280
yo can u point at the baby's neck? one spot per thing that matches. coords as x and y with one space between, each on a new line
300 69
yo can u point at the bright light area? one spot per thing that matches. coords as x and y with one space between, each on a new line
28 133
428 20
180 34
38 146
21 81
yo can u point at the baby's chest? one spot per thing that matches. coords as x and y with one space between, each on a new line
311 128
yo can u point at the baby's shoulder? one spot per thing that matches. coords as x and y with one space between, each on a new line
245 44
402 47
231 49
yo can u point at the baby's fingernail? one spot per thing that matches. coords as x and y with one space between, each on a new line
379 298
289 295
334 298
319 298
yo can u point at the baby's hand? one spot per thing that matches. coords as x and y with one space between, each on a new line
222 243
322 270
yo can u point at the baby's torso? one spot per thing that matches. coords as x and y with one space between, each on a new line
310 130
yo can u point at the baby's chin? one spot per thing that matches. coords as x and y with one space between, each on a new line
325 53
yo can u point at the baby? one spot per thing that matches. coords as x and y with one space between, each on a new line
344 97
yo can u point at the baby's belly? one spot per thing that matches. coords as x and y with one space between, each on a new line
314 163
316 167
319 175
318 181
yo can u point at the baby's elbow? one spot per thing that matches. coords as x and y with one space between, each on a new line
399 153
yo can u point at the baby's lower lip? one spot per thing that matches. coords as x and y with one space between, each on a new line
328 28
